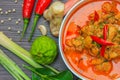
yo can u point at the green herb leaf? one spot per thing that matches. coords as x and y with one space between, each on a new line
45 71
48 74
65 75
35 77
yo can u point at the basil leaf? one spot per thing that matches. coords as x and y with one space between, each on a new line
48 74
53 78
65 75
45 71
35 77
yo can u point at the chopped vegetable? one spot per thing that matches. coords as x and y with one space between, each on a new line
44 50
73 29
27 12
55 15
40 7
12 67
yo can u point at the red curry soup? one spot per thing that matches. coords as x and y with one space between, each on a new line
91 40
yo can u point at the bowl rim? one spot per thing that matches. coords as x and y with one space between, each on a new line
60 41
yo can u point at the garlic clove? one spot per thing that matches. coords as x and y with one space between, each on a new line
42 29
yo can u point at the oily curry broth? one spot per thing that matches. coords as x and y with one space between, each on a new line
81 60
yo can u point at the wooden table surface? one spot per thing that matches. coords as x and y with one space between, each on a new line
15 36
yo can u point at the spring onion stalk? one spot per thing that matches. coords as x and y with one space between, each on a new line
20 52
12 68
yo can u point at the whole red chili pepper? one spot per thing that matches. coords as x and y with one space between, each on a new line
96 16
40 8
27 12
101 41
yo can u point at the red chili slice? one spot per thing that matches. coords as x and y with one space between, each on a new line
96 16
105 29
101 41
102 51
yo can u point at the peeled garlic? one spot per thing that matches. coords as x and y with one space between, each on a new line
42 29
